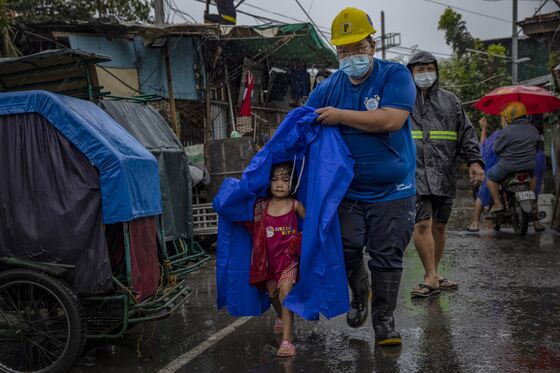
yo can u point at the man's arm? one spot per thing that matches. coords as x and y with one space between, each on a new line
468 140
374 121
483 129
397 101
469 146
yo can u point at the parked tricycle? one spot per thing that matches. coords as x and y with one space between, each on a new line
82 249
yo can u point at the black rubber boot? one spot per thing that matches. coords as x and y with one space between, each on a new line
359 285
386 289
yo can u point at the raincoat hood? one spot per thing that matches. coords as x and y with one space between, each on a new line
423 58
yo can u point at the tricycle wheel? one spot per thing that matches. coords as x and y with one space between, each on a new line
42 328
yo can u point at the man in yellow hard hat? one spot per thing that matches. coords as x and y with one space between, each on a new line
516 145
370 101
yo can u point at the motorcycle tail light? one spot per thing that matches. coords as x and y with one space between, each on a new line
522 177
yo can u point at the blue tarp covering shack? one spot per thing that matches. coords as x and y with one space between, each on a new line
67 172
129 175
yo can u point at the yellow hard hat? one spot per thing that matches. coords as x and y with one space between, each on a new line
513 110
350 26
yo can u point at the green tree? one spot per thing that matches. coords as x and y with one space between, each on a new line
30 11
7 47
456 34
470 75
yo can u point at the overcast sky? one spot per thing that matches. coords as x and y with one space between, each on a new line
415 20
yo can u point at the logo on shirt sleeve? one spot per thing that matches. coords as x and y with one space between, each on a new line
372 103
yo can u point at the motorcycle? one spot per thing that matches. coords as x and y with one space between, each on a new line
519 203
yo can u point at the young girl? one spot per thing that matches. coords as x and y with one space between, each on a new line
276 249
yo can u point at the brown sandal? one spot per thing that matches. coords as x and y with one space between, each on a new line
445 284
418 293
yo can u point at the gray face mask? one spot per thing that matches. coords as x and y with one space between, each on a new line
425 80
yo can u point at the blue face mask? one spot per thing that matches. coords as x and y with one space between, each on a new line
355 66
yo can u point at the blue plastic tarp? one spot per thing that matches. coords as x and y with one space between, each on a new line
129 176
327 173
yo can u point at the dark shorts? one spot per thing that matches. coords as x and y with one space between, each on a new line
383 228
435 207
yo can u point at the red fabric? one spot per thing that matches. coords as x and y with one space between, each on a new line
245 109
280 230
144 257
258 273
536 99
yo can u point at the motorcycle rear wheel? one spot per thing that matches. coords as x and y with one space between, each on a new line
520 219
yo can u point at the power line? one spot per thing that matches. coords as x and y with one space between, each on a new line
281 15
475 83
313 22
267 19
468 11
420 49
255 16
182 14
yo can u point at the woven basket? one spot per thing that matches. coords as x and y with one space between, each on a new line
244 125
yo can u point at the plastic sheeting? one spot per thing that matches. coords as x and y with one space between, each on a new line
129 178
50 204
151 130
328 171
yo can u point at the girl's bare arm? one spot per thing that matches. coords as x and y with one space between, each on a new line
300 209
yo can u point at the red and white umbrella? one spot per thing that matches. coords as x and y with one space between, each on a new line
537 100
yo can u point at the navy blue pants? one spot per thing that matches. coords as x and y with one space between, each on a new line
383 228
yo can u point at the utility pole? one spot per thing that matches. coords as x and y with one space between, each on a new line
159 12
383 46
514 50
172 107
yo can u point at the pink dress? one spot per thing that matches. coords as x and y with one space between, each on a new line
282 263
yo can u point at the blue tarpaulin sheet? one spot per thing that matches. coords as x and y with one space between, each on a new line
129 176
327 173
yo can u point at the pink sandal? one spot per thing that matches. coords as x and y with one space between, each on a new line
286 349
278 326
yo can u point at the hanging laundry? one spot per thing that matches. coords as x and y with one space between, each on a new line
299 83
245 108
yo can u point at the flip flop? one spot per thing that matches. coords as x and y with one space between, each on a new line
494 211
445 284
286 349
417 293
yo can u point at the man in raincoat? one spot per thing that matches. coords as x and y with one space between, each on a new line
370 101
443 134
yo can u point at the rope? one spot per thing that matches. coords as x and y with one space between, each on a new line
300 173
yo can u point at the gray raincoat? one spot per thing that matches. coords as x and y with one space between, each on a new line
443 134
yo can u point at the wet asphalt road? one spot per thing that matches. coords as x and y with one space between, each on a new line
505 317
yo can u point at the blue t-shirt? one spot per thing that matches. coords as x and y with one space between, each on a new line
385 163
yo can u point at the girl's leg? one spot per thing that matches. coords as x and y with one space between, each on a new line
287 315
277 306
